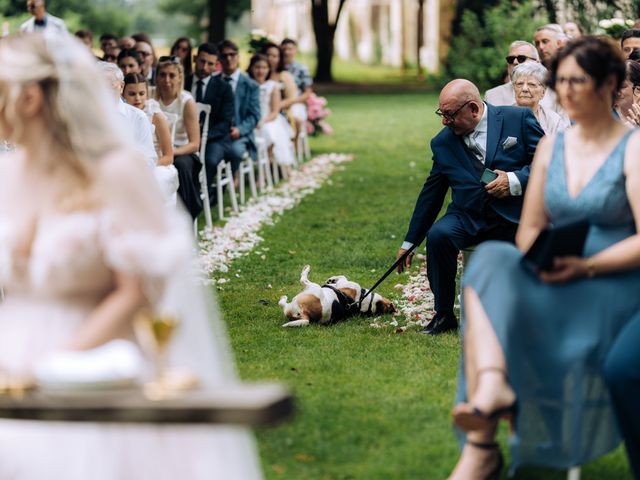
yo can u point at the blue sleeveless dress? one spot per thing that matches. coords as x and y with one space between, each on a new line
555 336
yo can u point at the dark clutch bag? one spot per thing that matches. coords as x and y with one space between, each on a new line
557 241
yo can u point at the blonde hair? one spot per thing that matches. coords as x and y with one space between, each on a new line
179 68
75 106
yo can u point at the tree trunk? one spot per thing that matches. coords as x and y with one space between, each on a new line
217 20
325 32
420 37
550 7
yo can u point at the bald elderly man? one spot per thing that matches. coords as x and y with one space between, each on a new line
477 137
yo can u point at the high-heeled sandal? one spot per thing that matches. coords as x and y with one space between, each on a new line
468 417
495 473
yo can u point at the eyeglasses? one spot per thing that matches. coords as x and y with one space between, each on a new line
228 55
573 82
170 58
529 84
143 54
450 116
521 59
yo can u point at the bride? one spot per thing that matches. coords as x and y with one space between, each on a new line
84 244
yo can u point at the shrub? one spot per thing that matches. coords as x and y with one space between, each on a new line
478 52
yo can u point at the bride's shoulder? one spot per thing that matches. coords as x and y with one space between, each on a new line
10 166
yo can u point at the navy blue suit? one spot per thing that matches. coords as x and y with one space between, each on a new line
247 116
473 216
220 96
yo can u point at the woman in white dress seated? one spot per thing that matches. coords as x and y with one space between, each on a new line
136 94
272 127
84 245
174 100
529 83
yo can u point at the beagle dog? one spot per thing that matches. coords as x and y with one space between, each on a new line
338 299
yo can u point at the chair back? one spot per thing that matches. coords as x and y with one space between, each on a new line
204 112
172 119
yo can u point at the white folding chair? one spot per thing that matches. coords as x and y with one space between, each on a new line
224 178
265 179
204 188
303 150
573 473
247 170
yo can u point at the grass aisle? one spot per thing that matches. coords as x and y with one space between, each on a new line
372 404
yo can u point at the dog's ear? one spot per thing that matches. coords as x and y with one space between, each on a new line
385 306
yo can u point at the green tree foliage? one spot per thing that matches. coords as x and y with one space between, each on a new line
97 15
477 52
198 10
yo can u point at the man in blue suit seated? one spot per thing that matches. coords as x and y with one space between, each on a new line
247 105
477 137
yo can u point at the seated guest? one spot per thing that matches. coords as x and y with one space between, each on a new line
477 136
536 342
284 79
247 105
145 51
549 39
630 39
129 62
272 127
573 30
174 100
529 80
85 36
182 49
629 94
212 90
137 122
112 56
127 43
520 52
108 42
136 94
205 61
300 73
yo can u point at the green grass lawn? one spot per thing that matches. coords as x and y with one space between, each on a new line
371 404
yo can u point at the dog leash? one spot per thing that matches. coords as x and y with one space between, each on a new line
387 273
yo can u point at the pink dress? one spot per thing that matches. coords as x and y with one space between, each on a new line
49 294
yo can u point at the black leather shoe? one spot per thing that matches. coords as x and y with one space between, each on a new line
440 323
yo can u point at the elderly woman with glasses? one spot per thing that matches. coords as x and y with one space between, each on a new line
528 80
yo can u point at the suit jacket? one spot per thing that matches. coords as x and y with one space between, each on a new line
453 168
54 25
247 109
219 95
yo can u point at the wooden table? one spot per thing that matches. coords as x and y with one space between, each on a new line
250 404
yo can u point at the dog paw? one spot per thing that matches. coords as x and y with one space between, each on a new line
296 323
283 301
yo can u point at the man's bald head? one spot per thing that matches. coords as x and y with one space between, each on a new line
460 89
460 106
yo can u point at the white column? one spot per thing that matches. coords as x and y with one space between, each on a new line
395 34
342 43
429 52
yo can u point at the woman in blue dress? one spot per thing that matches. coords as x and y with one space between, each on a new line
535 344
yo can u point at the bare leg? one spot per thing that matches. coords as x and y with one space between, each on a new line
487 388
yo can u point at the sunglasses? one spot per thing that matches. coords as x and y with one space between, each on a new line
521 59
170 58
450 116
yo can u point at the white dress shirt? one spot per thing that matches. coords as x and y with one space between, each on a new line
140 128
52 25
194 85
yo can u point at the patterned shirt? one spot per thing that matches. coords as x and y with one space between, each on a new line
300 75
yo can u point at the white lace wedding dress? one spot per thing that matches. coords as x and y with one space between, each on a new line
50 289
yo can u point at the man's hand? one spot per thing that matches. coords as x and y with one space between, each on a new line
235 133
407 261
499 188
